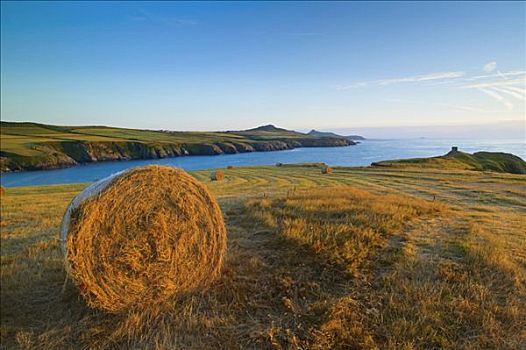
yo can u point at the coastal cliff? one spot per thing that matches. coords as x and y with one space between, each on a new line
30 146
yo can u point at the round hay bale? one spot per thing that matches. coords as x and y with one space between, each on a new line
327 170
217 175
2 190
141 236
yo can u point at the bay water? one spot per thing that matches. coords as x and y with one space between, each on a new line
363 154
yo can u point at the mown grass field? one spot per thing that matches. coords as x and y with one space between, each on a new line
360 258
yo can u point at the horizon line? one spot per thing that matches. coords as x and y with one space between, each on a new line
318 128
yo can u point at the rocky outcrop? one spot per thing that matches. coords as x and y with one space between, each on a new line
325 142
271 146
51 160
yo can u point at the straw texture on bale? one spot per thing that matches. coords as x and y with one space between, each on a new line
217 175
142 236
327 170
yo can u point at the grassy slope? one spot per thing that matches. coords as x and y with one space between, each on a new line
19 138
482 161
361 258
28 146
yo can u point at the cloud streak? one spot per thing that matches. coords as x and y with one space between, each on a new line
517 95
510 84
409 79
503 87
496 96
496 83
499 74
438 104
489 67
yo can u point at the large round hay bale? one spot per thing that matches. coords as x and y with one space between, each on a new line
141 236
2 190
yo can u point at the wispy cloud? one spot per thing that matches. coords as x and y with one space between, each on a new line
498 97
504 87
438 104
409 79
499 74
494 83
489 67
424 77
517 95
516 89
510 84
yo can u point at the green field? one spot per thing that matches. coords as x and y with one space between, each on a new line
20 138
361 258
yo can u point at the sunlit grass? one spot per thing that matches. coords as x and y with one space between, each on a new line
363 258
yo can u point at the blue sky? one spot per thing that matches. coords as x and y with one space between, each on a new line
220 65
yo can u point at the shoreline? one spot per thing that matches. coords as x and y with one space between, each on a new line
369 151
158 157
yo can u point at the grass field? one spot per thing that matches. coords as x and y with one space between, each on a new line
360 258
19 138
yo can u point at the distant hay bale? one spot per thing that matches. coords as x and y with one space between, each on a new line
141 236
327 170
2 190
217 175
230 167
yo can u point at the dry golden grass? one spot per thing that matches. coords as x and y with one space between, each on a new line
364 258
343 224
153 232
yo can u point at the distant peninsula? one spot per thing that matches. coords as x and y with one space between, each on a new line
317 133
458 160
33 146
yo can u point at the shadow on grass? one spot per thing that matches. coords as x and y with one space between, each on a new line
272 291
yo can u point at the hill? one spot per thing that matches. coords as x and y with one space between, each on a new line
456 160
363 258
269 128
317 133
32 146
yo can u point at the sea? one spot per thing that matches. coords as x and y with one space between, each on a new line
363 154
